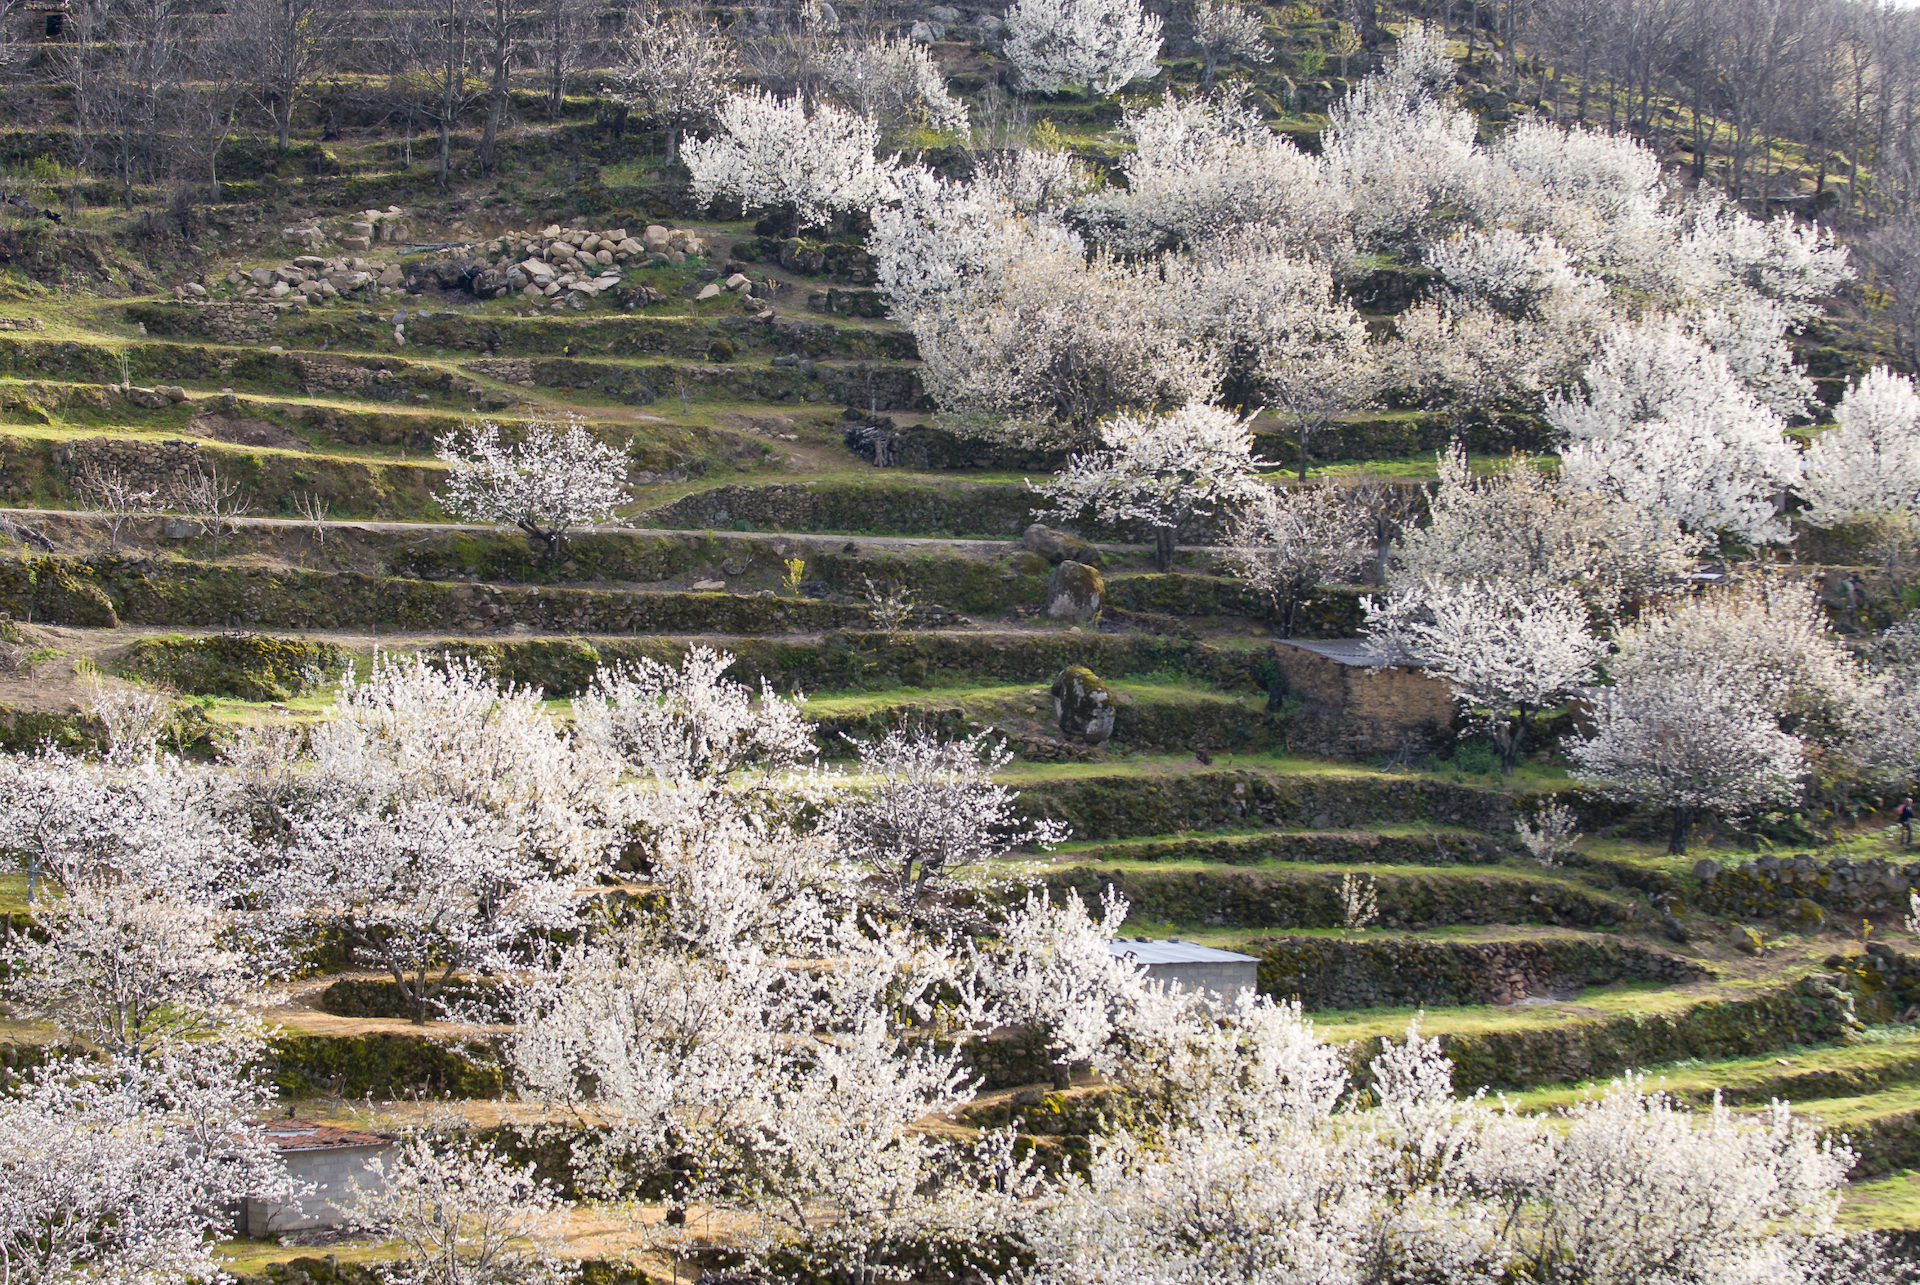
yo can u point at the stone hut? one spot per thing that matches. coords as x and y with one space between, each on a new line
1353 709
1220 973
329 1157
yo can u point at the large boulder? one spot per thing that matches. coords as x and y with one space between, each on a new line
1083 705
1057 546
1075 592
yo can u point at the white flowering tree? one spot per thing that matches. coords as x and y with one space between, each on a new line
1101 44
691 723
771 151
461 1214
1048 966
1468 359
1284 337
1689 740
1287 541
437 728
894 81
1663 424
135 719
1402 152
673 69
422 889
1161 471
445 820
1883 743
122 1171
1260 1173
1055 341
1868 465
1522 524
1203 165
1506 651
76 822
683 1036
553 478
1224 30
1770 630
922 810
1702 687
130 969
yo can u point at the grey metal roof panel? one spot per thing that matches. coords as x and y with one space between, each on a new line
1343 651
1175 952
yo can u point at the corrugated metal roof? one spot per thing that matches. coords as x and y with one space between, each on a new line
1358 652
307 1135
1175 951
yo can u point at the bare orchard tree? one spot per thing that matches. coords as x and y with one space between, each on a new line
1894 251
213 501
500 26
209 105
116 496
441 44
137 69
560 32
287 45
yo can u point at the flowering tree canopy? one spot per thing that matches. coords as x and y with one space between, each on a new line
549 481
1102 44
1159 470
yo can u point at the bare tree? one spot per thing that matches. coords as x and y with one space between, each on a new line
212 501
209 106
441 43
287 46
116 496
313 507
499 26
560 30
137 68
1894 251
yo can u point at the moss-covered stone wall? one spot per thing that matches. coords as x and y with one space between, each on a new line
1122 806
1393 972
1233 898
245 666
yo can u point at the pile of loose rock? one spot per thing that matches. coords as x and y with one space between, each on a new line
572 265
308 279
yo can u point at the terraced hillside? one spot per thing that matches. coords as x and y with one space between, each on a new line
788 474
1211 808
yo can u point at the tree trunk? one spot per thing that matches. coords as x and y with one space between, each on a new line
1163 547
1516 733
496 108
1682 823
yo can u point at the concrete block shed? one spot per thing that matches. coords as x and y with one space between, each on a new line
1354 707
1192 967
328 1157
